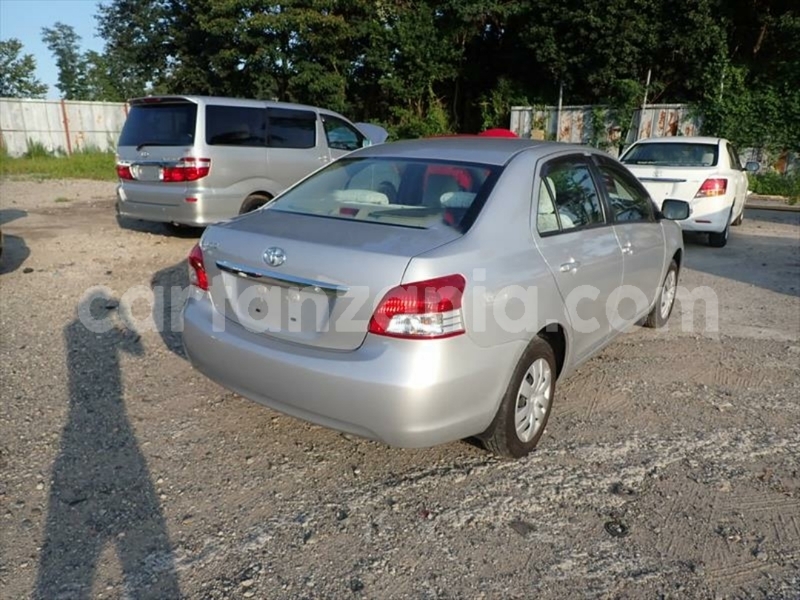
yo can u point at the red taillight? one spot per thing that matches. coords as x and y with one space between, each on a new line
124 171
188 169
422 310
197 270
712 187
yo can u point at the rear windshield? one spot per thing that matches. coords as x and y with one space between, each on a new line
168 124
672 155
394 191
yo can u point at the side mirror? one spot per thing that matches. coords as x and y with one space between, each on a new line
675 210
752 166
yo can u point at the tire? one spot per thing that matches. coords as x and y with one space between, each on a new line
665 300
502 436
254 201
718 240
738 220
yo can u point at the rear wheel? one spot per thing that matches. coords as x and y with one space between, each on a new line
665 300
718 240
254 201
525 408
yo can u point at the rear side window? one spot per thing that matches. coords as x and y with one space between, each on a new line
290 128
236 126
568 197
669 154
736 164
160 124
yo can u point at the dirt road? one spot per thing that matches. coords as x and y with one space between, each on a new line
670 468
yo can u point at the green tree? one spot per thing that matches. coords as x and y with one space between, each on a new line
64 43
136 52
18 72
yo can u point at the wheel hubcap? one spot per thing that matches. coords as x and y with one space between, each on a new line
668 294
533 400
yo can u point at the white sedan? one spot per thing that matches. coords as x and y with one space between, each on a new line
704 171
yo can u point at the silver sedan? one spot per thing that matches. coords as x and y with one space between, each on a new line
426 291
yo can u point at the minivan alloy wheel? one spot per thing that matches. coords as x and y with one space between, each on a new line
533 400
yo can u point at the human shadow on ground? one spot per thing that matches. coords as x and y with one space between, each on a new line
101 490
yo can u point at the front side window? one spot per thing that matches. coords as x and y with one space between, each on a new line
628 202
290 128
568 198
160 124
393 191
672 154
236 126
341 135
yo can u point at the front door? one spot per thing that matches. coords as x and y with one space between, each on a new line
577 241
641 240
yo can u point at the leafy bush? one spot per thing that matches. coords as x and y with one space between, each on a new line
774 184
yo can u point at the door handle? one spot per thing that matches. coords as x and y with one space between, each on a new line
571 266
627 248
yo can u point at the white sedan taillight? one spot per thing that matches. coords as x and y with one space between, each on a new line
422 310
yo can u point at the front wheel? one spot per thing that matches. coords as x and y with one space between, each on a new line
526 405
665 300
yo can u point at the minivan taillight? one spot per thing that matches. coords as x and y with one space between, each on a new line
187 169
197 269
124 171
712 187
422 310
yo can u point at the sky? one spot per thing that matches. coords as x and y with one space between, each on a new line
24 19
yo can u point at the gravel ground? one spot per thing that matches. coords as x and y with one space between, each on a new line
670 468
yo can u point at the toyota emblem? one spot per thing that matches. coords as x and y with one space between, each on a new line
274 256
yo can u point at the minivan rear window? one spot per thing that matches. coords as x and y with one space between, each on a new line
394 191
160 124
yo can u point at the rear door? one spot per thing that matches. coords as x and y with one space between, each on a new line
158 132
577 240
640 236
738 177
294 148
236 137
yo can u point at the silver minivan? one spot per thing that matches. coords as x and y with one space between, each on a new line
195 160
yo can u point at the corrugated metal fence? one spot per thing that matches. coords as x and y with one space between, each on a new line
63 126
599 125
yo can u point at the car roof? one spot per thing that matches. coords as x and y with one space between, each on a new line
241 102
697 139
474 149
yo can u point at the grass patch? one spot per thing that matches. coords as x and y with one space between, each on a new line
774 184
88 164
62 199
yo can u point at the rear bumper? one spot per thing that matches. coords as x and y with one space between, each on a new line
169 205
402 392
709 215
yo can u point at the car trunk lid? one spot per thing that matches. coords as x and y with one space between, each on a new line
681 183
333 273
